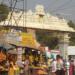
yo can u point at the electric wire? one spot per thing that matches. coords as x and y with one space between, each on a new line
25 12
12 10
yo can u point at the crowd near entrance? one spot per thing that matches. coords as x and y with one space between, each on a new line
20 56
33 61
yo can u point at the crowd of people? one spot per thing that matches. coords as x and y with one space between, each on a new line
62 67
56 66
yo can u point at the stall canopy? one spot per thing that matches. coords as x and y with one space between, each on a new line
12 52
6 46
23 39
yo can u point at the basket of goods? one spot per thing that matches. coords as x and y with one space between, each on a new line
2 56
41 72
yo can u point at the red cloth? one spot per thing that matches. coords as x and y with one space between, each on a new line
71 70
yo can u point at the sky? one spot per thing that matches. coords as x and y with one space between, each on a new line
65 8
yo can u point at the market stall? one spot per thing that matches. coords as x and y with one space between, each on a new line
3 67
25 44
4 48
12 55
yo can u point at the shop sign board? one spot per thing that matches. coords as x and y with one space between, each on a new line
22 39
13 38
27 40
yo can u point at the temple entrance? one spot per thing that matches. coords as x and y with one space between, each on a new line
30 22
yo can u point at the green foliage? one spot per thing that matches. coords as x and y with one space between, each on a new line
4 11
72 39
72 35
71 24
47 38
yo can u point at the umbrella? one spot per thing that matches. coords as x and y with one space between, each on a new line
12 52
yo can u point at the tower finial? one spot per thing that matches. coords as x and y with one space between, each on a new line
40 10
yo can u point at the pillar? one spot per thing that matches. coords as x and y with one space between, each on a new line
63 44
19 53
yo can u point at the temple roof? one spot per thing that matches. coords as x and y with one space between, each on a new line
38 19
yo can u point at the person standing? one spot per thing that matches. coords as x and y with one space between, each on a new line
16 69
26 65
11 69
53 67
57 66
71 70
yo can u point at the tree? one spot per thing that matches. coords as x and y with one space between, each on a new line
4 11
47 38
71 24
72 35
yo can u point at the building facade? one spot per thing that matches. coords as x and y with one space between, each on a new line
39 19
